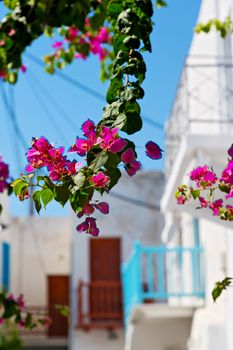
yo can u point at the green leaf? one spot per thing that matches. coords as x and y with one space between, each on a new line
132 41
46 196
99 161
61 194
113 160
79 180
118 43
120 121
78 200
114 8
20 186
114 89
224 188
63 310
220 287
48 182
133 123
36 198
195 194
114 174
161 3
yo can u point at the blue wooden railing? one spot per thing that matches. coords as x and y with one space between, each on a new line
159 273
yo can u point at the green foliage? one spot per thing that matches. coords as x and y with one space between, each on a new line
220 287
131 25
10 338
63 310
223 27
161 3
30 19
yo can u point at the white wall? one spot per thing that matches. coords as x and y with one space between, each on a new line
162 334
39 247
125 220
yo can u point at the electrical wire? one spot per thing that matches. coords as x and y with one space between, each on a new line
43 104
134 201
89 90
17 137
58 107
12 115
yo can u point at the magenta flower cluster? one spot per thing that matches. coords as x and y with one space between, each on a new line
4 73
74 39
97 141
44 154
208 184
203 176
4 175
14 309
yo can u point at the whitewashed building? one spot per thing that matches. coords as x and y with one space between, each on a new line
96 300
177 312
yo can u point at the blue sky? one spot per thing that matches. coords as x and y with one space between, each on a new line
36 116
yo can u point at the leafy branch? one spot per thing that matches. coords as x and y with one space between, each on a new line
220 287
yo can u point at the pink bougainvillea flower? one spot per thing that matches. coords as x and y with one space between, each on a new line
88 127
203 176
11 32
118 145
3 75
88 226
103 35
4 175
100 180
230 194
73 32
102 54
181 199
230 151
43 154
128 156
227 174
1 321
132 168
73 148
216 206
88 210
2 42
58 44
92 228
131 165
80 55
82 227
23 68
203 202
20 301
103 207
153 150
83 146
109 140
21 324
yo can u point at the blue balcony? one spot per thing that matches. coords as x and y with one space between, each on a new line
159 274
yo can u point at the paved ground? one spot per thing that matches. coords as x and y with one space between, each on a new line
99 340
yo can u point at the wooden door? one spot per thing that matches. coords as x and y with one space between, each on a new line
58 294
105 287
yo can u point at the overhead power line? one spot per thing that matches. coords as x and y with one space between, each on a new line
89 90
11 112
40 97
54 102
134 201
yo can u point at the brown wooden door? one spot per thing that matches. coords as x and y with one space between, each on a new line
105 259
105 290
58 294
